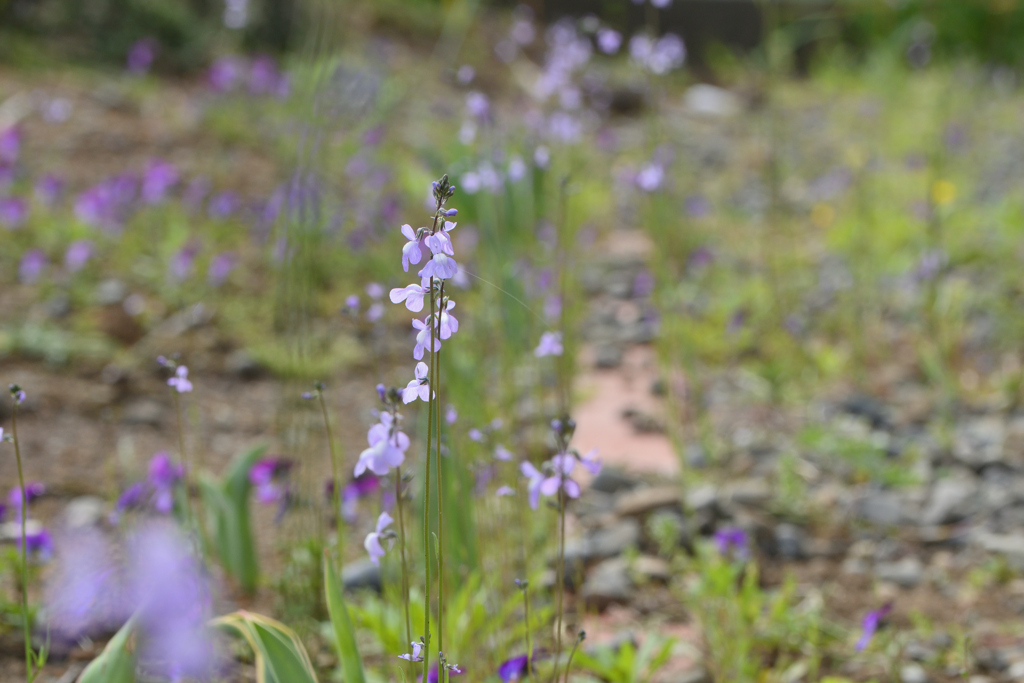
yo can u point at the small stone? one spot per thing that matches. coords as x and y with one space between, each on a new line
918 651
608 356
749 492
241 364
913 673
980 442
789 541
695 456
1010 546
884 508
854 566
651 568
84 511
616 539
951 500
361 575
143 412
110 292
641 501
869 408
608 583
709 100
697 675
1015 672
594 504
58 306
613 480
905 573
703 498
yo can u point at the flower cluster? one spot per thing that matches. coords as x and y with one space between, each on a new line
435 245
555 475
387 443
155 492
179 381
270 477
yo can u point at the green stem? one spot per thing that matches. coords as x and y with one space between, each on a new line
568 665
401 544
190 518
336 474
426 506
529 644
435 380
560 578
24 548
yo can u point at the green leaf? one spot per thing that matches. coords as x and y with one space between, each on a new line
280 655
227 509
116 664
344 634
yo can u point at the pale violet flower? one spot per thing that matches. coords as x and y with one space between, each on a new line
412 295
387 447
449 325
536 480
550 345
415 655
372 542
425 339
419 387
411 251
563 465
502 453
180 381
505 491
440 266
609 41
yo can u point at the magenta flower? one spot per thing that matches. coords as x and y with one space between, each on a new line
78 254
387 447
372 542
180 382
871 622
550 345
419 387
13 212
412 295
33 263
536 479
266 475
158 179
412 251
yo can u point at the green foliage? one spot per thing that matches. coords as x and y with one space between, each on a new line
280 655
864 459
344 634
627 664
116 664
227 509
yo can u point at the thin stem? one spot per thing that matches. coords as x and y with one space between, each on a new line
568 665
189 516
336 475
529 644
560 578
435 379
401 544
426 506
24 547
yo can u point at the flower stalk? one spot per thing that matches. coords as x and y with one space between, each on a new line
18 395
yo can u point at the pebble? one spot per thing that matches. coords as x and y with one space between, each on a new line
613 480
361 575
906 573
608 583
652 568
750 492
979 442
1010 546
84 511
615 539
110 292
1015 671
642 501
241 364
789 542
144 411
884 508
913 673
952 499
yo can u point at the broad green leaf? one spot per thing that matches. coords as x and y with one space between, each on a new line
344 634
116 664
280 655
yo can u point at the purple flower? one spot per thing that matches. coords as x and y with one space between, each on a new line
411 252
78 254
505 491
418 387
141 55
360 487
172 600
13 212
732 541
514 669
451 415
425 339
220 267
448 325
372 542
33 263
162 478
550 345
225 73
387 447
195 192
415 655
609 41
263 75
106 204
223 204
563 465
643 284
590 462
33 490
265 475
697 205
38 544
10 144
476 435
440 266
83 594
352 304
412 295
180 382
48 189
158 179
180 266
536 479
502 453
477 105
432 677
375 312
870 624
650 178
130 499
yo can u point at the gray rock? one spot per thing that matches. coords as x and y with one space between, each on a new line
11 531
110 292
695 456
241 364
1015 672
1010 546
905 573
980 442
84 511
650 568
711 101
608 356
750 492
615 539
703 498
361 575
58 306
697 675
613 480
144 411
594 504
913 673
952 499
789 542
641 501
918 651
608 583
884 508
